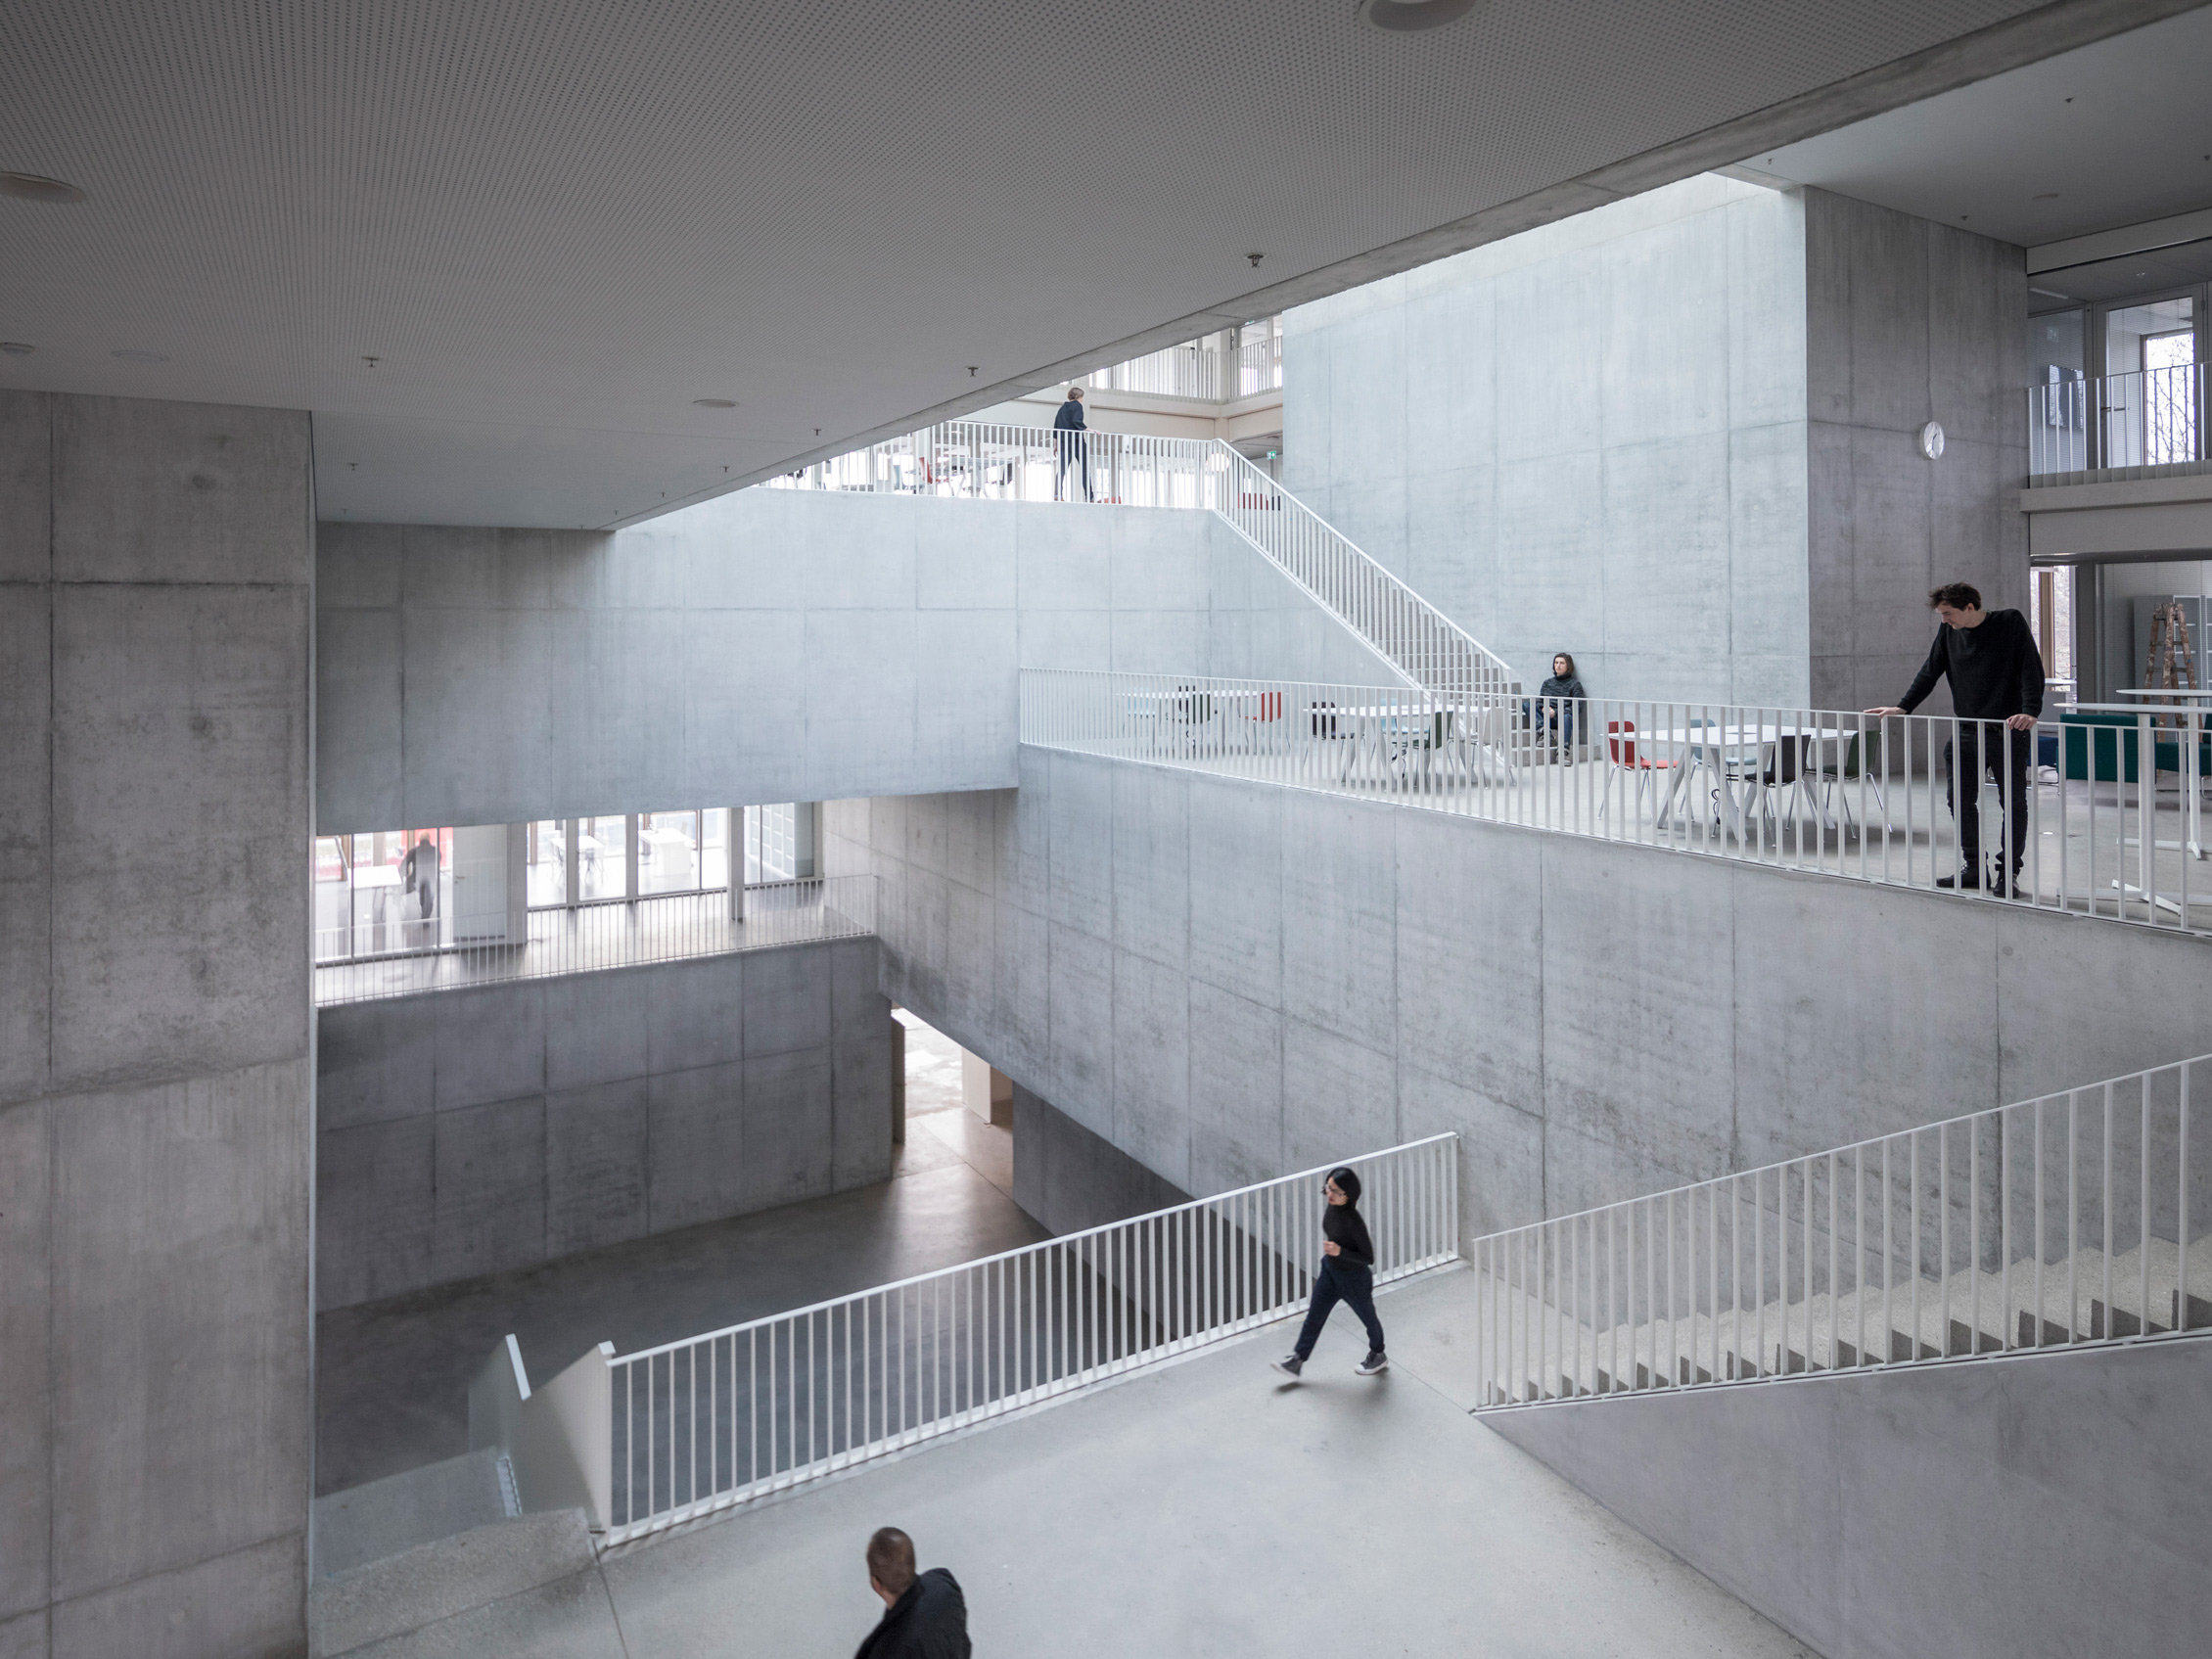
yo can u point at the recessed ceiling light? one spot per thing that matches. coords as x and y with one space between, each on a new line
1401 17
139 356
713 403
30 187
2048 196
15 347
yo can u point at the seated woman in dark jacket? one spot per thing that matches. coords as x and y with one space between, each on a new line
1556 700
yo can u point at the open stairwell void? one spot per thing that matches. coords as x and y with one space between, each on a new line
999 462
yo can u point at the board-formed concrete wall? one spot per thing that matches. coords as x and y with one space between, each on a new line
1230 980
1678 436
773 645
465 1133
1908 322
1586 438
2050 1505
156 1081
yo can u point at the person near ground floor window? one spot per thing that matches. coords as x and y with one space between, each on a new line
1347 1275
1073 441
923 1614
1995 676
1556 701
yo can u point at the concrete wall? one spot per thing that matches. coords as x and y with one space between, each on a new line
156 1081
774 645
1229 981
2054 1505
1908 321
472 1131
1586 438
1069 1178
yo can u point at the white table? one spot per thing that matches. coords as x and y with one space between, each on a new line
2190 717
1728 751
1377 726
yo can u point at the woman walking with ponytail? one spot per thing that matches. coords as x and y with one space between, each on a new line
1347 1276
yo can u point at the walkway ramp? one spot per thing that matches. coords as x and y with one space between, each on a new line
1201 1508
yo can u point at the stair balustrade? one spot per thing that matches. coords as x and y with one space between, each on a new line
1020 463
2074 1219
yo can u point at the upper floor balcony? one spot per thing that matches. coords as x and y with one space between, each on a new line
2104 429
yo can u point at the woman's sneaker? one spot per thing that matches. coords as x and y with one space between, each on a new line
1378 1361
1290 1365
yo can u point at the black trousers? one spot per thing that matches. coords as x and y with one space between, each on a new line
1355 1287
1987 749
1075 446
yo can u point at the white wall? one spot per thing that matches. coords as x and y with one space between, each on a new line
773 645
1587 437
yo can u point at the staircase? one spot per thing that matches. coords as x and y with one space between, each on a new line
399 1554
2075 1220
988 460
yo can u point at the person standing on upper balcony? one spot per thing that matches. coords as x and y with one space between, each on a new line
1068 435
1995 676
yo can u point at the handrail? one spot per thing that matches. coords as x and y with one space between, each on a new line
769 1404
2057 1221
2146 422
1413 635
999 461
2106 818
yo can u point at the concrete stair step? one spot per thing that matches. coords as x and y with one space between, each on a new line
432 1581
366 1523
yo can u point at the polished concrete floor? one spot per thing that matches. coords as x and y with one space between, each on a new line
1205 1508
392 1377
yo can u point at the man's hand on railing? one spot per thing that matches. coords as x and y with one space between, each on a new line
2022 722
1879 713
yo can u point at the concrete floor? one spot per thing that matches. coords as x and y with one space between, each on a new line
1205 1508
392 1377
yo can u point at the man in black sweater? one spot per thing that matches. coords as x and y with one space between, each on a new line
1996 677
925 1616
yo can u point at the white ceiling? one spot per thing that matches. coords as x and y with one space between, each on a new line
555 223
2106 135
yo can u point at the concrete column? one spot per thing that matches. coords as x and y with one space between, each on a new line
156 1067
806 837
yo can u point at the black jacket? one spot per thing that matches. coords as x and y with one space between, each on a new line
1995 670
929 1622
1570 688
1070 417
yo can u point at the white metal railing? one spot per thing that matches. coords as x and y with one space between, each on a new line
2107 813
1022 463
1192 369
2116 423
1200 369
604 934
2079 1218
715 1421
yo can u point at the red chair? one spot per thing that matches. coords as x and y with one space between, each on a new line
1620 746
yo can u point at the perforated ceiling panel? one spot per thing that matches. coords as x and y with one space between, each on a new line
553 224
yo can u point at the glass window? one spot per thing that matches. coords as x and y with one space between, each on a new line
667 853
2149 401
547 854
383 891
603 858
713 847
769 838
